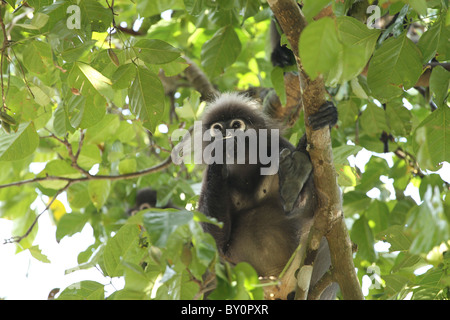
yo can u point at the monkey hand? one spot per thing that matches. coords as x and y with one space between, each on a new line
326 116
294 170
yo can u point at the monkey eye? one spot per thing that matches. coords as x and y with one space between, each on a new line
238 124
215 129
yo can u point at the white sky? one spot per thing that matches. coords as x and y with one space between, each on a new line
24 277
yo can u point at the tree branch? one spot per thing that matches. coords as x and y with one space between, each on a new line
71 181
17 239
329 220
131 175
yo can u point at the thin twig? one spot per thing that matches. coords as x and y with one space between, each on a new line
73 157
17 239
131 175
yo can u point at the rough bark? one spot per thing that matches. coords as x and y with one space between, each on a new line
329 220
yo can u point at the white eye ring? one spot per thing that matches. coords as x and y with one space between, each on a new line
237 124
215 129
144 206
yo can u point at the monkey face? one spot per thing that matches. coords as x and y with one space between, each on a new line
230 140
225 129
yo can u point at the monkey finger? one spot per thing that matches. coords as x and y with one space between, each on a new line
319 124
327 115
285 153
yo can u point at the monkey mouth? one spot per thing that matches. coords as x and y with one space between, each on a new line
228 136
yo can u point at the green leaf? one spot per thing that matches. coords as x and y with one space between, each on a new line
439 85
377 215
348 112
251 8
432 139
89 156
435 41
194 7
277 78
312 7
347 176
156 51
138 283
319 47
341 153
190 106
20 144
180 285
354 33
358 43
70 224
37 254
247 279
161 224
406 260
361 234
395 284
124 246
106 128
147 98
220 51
41 95
399 118
99 192
98 81
12 3
58 168
397 63
39 20
358 89
148 8
78 195
355 202
127 166
89 108
60 121
428 223
203 249
37 57
373 120
420 6
84 290
123 76
100 18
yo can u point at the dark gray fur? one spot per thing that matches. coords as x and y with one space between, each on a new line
264 217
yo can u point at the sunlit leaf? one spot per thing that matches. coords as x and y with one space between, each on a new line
147 98
220 51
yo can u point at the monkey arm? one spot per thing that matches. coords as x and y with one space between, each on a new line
215 202
295 169
295 166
